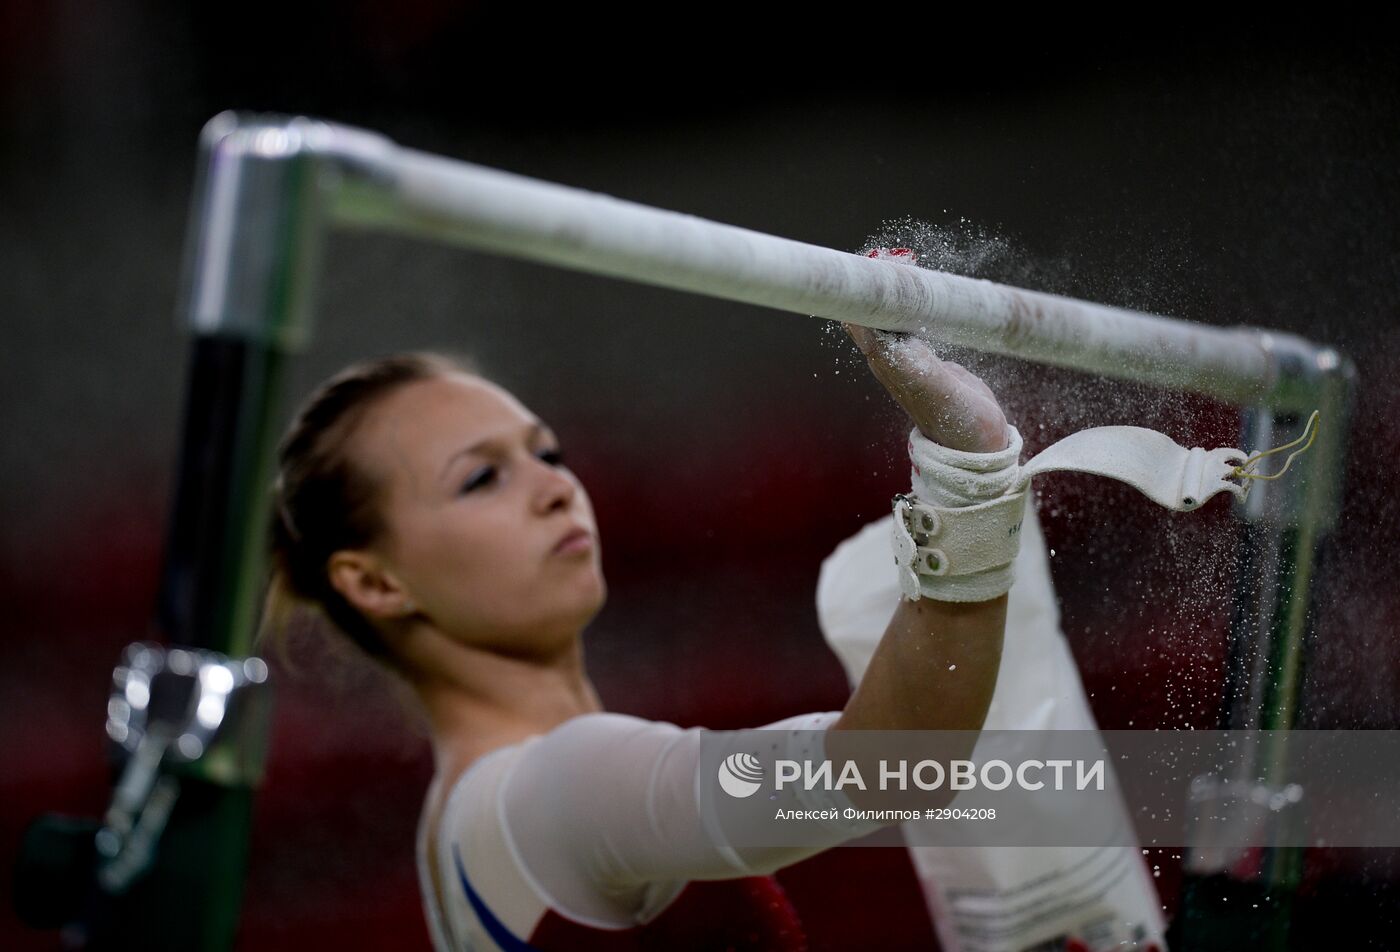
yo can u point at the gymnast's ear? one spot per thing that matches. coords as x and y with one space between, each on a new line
368 585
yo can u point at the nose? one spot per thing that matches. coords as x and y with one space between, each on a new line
556 487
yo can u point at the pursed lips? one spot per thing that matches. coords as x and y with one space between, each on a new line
571 536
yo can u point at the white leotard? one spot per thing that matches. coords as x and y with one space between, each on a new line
597 820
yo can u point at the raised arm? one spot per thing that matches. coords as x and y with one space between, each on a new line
936 665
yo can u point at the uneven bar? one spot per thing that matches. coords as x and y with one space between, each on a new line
427 196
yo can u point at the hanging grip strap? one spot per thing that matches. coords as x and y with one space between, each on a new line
1151 462
963 550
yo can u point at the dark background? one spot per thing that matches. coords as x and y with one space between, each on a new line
727 448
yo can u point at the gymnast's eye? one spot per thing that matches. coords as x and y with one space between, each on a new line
479 478
487 474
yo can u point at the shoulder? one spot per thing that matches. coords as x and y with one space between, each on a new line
574 737
589 741
608 725
514 819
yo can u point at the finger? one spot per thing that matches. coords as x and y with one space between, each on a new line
924 385
861 335
917 361
971 378
906 351
961 371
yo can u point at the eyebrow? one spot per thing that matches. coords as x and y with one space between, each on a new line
530 432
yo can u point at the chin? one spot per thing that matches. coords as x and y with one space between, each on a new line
600 597
580 599
585 595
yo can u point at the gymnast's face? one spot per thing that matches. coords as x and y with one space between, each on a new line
476 501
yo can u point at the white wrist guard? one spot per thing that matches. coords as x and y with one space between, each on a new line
956 536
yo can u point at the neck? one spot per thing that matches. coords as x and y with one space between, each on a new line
477 700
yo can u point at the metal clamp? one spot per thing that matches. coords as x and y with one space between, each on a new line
173 711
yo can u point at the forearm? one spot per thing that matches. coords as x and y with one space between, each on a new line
954 544
934 669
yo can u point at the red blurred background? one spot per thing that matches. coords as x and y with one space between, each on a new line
728 449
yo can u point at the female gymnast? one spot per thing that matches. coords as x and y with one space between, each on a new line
428 514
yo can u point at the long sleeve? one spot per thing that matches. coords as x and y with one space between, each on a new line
601 818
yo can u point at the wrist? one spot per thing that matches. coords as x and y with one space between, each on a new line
952 478
982 441
956 535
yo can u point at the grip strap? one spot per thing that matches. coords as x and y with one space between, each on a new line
956 535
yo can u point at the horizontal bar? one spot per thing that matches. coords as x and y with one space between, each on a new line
490 210
368 181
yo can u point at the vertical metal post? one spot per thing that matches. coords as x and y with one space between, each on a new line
1234 899
250 261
